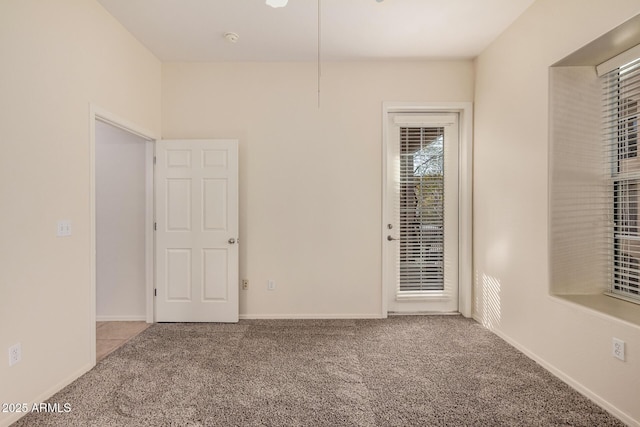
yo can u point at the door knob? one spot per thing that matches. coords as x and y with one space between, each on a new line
389 238
232 241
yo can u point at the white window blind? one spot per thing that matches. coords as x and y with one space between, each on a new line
421 209
581 196
622 93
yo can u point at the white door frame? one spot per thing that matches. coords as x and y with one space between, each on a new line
465 192
97 113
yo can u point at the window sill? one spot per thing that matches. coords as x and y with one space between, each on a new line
625 311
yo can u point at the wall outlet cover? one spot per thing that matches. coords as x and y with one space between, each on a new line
618 349
15 354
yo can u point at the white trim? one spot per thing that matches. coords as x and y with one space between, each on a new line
422 313
421 120
598 400
43 397
310 316
150 243
384 303
422 296
92 237
465 225
110 118
122 318
97 113
618 60
465 202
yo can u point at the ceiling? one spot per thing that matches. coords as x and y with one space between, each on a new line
193 30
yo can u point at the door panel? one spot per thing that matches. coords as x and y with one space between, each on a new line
178 276
214 196
215 268
197 230
178 204
422 213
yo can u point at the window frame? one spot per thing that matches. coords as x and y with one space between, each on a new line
621 94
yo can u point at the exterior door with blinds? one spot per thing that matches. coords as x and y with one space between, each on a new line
421 233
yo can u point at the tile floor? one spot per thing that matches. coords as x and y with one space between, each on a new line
112 335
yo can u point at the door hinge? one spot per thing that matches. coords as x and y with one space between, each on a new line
155 292
155 226
154 160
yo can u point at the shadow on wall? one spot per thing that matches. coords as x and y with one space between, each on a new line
487 300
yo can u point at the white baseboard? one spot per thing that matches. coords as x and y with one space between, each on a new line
588 393
310 316
423 313
47 394
122 318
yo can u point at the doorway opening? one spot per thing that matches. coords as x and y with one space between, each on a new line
120 224
121 201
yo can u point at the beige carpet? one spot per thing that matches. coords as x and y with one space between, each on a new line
402 371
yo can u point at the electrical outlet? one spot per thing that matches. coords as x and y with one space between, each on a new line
15 354
64 228
245 284
618 349
271 285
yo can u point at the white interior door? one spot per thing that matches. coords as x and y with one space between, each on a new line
421 213
196 231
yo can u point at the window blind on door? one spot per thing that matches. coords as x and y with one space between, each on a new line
622 93
421 209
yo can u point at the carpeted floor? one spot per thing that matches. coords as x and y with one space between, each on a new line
402 371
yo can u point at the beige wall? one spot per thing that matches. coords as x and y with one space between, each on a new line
510 205
310 178
57 58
